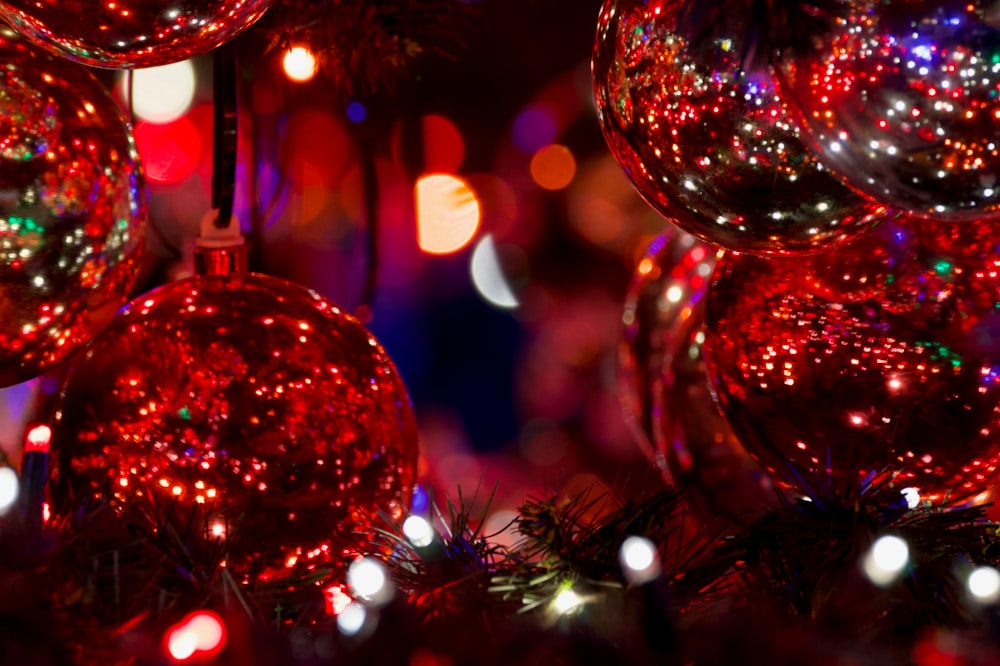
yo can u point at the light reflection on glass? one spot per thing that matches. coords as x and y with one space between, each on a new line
132 33
709 144
72 209
901 101
890 348
190 409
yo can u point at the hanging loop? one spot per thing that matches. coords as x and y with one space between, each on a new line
224 134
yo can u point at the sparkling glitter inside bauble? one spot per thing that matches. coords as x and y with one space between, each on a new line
666 388
901 100
131 33
874 364
709 144
72 209
245 407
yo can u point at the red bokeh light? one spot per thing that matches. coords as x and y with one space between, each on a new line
38 439
169 152
200 635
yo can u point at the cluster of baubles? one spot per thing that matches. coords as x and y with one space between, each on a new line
239 421
849 337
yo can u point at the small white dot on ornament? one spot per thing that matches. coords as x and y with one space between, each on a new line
912 497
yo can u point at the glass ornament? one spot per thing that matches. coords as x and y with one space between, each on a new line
246 408
126 34
873 365
666 391
72 209
707 142
900 99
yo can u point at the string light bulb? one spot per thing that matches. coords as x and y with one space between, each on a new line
885 560
300 64
639 559
367 579
202 632
352 619
984 585
567 601
418 531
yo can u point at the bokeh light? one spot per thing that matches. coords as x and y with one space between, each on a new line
418 531
448 213
182 644
337 599
352 619
170 152
534 128
438 148
161 94
544 442
488 276
201 633
553 167
886 560
639 560
366 578
984 585
38 439
567 601
501 528
356 112
299 64
8 488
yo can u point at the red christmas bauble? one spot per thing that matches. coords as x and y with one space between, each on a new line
666 388
72 209
249 410
900 100
123 34
707 142
874 364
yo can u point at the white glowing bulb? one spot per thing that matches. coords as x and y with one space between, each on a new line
8 488
567 601
208 631
182 643
299 64
886 559
891 553
351 619
418 531
639 560
162 94
366 579
984 585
